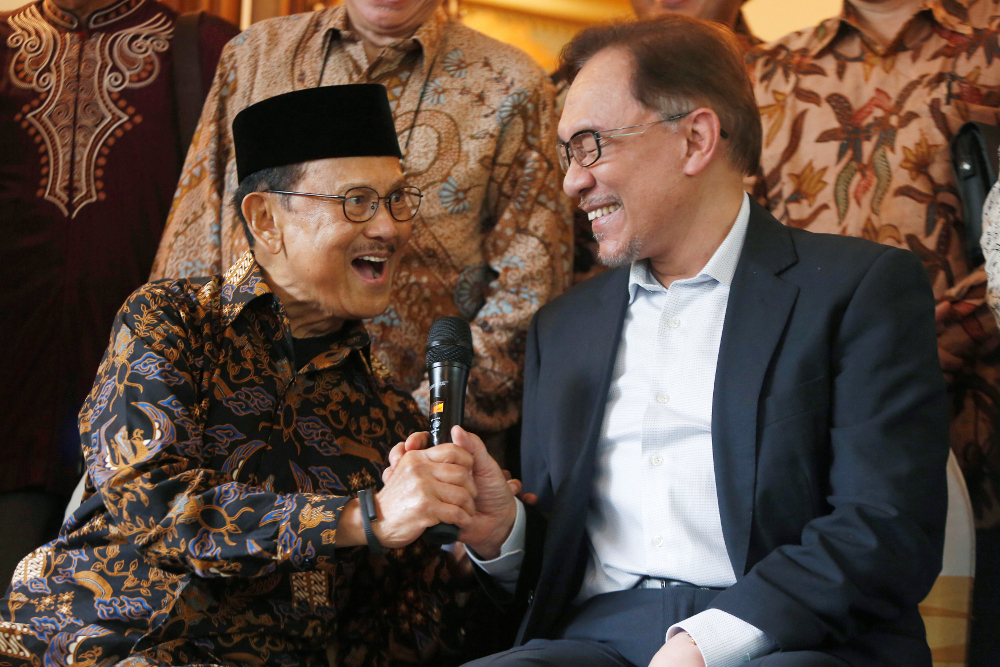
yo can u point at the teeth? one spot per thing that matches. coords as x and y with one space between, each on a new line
605 210
369 258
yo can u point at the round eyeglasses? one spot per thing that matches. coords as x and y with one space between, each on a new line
360 204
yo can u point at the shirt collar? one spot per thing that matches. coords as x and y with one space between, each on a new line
427 37
240 285
721 267
846 23
99 19
244 283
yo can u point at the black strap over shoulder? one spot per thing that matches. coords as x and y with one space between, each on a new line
187 78
974 160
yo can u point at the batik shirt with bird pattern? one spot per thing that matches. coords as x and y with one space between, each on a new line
217 468
856 142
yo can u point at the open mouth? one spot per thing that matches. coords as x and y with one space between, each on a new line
370 267
603 211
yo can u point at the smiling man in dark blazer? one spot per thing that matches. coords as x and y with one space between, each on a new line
737 439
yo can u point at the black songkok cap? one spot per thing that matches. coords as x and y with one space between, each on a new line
314 124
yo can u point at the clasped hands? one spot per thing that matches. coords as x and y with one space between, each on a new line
461 484
457 483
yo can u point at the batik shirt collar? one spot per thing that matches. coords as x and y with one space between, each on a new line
721 267
100 20
244 284
427 37
838 27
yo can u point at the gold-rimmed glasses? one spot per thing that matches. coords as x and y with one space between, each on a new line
361 203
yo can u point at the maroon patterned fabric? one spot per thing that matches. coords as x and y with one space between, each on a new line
88 165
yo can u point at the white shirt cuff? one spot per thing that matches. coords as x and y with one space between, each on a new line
506 567
723 639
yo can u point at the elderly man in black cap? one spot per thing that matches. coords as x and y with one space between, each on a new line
237 431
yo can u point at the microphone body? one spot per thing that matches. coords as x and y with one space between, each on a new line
449 359
448 382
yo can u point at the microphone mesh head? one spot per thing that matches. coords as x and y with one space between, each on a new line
450 339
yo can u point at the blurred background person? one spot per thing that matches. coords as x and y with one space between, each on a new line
726 12
476 124
858 114
90 150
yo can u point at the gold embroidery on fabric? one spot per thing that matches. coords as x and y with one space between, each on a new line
10 641
310 516
71 73
379 370
208 293
238 271
329 536
360 480
94 583
34 565
312 588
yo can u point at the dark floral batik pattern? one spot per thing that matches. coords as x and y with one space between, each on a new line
856 142
216 475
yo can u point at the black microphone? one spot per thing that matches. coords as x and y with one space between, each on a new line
449 358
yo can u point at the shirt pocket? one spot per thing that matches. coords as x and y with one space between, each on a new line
800 398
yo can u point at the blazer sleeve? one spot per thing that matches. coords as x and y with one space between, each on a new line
876 554
535 479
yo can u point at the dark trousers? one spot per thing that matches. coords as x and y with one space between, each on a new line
619 629
626 629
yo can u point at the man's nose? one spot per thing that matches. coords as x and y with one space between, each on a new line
577 180
382 225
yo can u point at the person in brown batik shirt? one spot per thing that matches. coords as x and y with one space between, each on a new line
89 156
858 113
476 124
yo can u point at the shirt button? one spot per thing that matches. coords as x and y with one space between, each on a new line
658 541
656 459
662 398
673 323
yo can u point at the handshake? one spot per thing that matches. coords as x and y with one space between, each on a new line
457 483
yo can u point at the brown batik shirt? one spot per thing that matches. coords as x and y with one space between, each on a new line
856 142
218 463
493 240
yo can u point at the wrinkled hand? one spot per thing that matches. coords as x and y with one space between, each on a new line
427 487
422 440
678 652
495 509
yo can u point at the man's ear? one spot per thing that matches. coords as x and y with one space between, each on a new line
258 209
703 138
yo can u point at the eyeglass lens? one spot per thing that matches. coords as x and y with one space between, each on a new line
583 147
360 204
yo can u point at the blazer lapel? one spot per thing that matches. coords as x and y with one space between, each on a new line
759 306
565 554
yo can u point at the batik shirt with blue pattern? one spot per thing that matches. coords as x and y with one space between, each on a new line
217 468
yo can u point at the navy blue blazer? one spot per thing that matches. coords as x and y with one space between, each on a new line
829 435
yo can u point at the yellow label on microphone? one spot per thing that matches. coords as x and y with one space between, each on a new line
437 407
